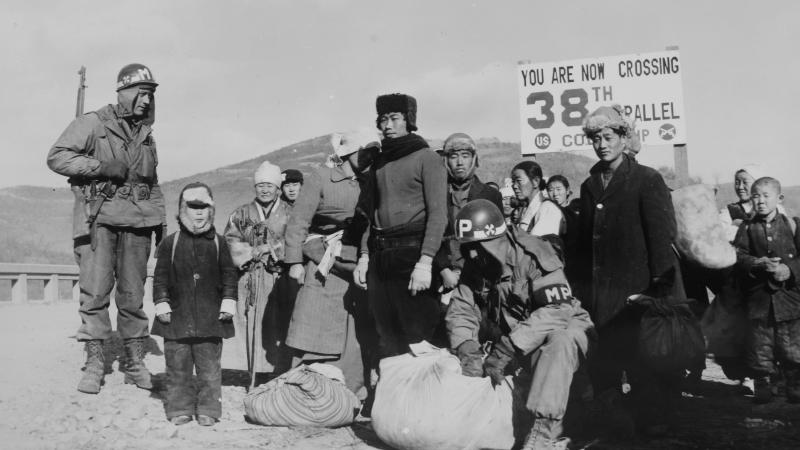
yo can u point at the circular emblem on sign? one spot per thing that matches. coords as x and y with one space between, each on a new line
667 132
542 141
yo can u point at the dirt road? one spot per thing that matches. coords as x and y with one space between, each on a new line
40 408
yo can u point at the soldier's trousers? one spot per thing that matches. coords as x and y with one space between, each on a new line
120 256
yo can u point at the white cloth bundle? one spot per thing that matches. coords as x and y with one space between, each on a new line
701 236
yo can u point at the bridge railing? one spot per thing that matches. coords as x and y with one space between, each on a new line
54 278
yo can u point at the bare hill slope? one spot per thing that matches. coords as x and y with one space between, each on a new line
36 222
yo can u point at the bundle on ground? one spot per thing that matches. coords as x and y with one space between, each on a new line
701 234
424 402
302 396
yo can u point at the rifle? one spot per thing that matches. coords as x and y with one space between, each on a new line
81 92
107 190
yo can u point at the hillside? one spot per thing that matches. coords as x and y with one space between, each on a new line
37 221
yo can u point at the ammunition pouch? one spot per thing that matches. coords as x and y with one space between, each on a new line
135 191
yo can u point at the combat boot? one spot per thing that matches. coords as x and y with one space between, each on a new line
95 368
763 390
545 435
135 370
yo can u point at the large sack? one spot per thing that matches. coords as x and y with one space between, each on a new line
303 396
701 233
424 402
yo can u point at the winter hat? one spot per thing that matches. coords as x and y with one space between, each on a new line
196 194
292 176
613 117
268 173
459 141
754 170
401 103
351 141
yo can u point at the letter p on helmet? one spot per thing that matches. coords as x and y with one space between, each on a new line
463 226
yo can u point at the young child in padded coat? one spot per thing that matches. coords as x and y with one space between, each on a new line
767 246
195 292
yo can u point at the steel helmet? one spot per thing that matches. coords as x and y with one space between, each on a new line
135 74
479 220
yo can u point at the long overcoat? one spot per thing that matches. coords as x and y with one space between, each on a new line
625 241
324 306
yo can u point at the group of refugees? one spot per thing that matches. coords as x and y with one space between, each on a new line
391 243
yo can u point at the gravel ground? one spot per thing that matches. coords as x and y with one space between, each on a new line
40 408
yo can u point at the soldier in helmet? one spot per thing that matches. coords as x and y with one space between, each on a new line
513 293
461 160
110 158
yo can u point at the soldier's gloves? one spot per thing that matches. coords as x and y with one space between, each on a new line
360 273
502 355
114 169
471 356
420 278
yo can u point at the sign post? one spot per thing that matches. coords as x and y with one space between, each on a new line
555 97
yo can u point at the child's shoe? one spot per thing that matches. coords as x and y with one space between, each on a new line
763 391
180 420
205 421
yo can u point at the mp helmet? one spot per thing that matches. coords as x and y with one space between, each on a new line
135 74
479 220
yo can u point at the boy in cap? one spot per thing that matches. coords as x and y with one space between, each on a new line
461 159
291 184
194 292
255 235
767 246
408 215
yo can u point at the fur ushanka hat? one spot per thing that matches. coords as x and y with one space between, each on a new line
402 103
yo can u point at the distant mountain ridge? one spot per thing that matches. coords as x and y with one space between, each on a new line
37 221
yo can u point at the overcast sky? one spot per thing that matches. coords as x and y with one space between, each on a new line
241 78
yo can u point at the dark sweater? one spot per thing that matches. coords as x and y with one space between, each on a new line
411 189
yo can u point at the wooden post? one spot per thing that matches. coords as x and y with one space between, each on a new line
19 289
681 165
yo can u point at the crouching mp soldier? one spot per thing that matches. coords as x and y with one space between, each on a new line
110 158
513 292
255 236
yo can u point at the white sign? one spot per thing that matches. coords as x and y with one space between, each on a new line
555 97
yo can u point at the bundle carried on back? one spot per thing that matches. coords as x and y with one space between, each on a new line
306 395
424 402
701 235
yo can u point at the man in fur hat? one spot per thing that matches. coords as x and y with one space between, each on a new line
408 215
110 158
255 235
